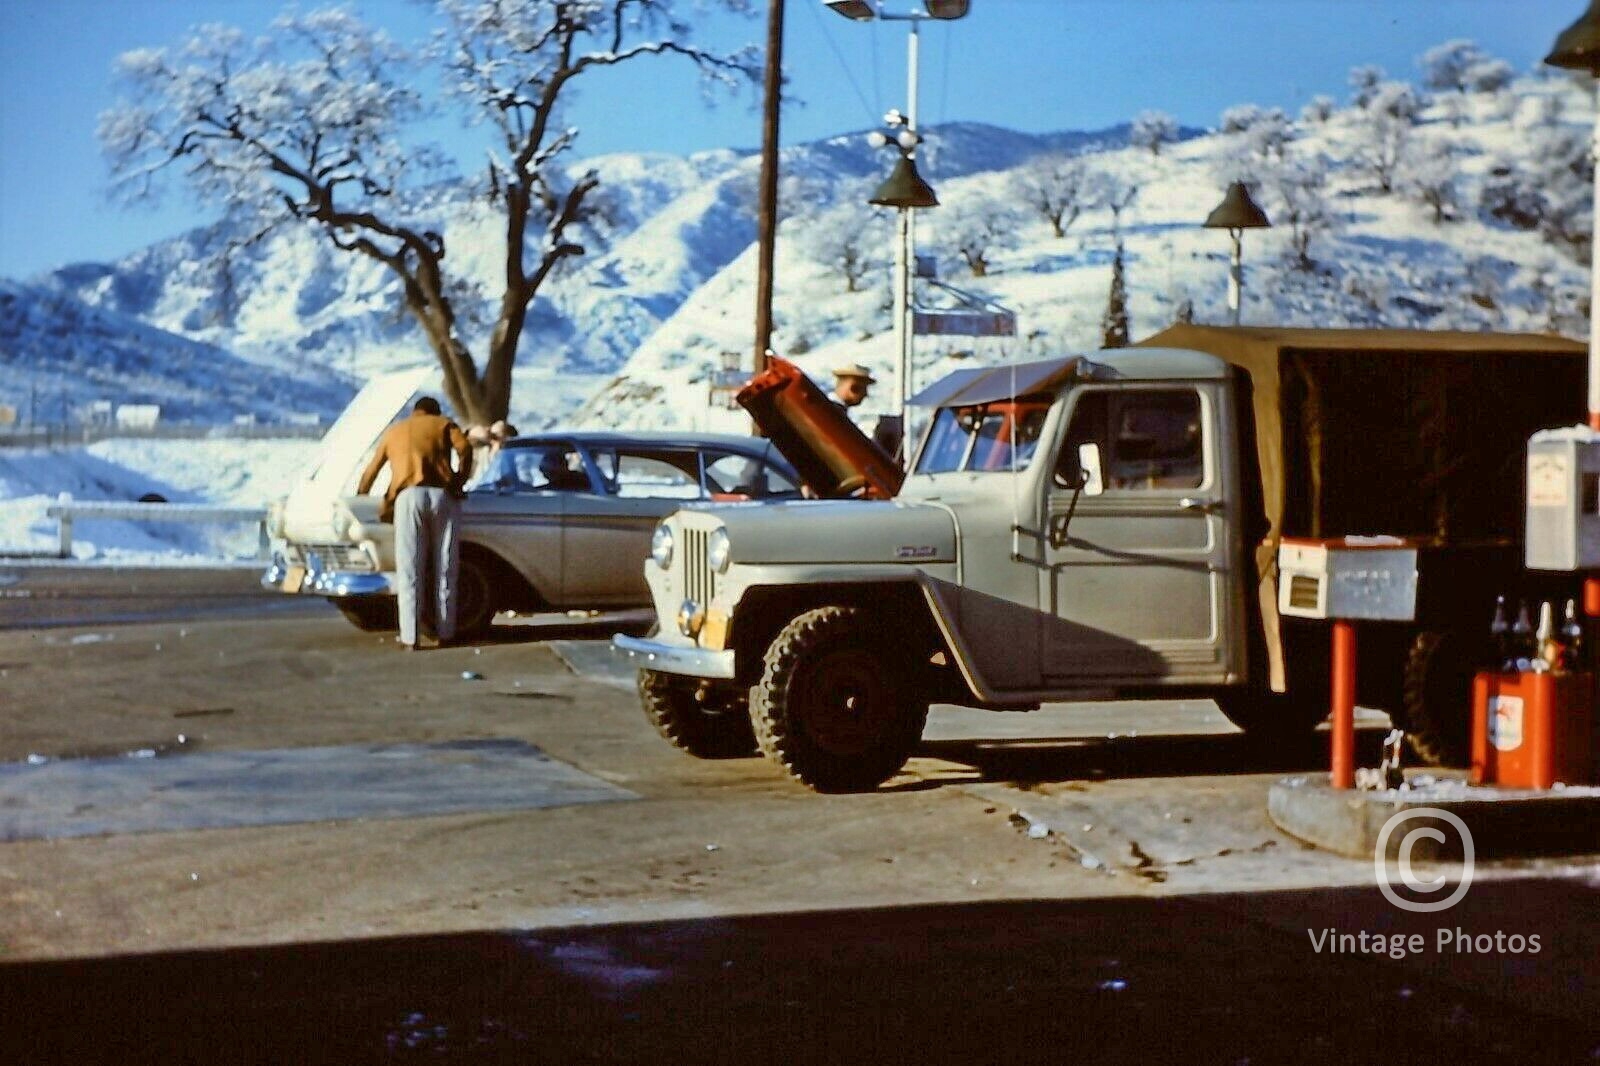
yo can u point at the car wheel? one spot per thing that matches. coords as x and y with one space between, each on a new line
715 730
371 614
1436 702
477 600
834 708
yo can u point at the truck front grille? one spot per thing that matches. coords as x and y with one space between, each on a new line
699 583
331 556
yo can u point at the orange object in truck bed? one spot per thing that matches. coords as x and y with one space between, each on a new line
1532 730
814 433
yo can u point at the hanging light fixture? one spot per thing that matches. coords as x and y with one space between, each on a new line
904 187
1238 210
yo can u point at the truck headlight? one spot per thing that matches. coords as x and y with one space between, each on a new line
718 551
661 544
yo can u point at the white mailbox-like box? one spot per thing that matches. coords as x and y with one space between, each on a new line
1357 578
1563 510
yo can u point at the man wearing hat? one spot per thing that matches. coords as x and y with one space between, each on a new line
850 384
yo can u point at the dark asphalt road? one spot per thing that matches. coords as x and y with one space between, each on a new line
39 597
1209 977
1193 980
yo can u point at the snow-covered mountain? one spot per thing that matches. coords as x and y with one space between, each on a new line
61 353
1484 225
1454 212
293 304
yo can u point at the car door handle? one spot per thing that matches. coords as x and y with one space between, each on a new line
1194 503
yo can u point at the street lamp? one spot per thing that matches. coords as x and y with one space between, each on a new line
1236 213
1578 48
904 190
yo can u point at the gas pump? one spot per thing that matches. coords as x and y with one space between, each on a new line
1535 728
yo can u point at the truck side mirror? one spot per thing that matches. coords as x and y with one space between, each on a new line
1089 475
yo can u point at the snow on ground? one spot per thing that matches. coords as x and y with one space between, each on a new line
233 473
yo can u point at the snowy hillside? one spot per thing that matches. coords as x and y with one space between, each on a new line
1465 205
1484 226
294 304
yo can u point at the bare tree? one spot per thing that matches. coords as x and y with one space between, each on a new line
312 126
1056 186
974 229
1363 82
1303 207
1386 138
1318 109
1115 193
1152 129
1430 176
849 237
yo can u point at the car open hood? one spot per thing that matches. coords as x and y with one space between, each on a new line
814 433
308 510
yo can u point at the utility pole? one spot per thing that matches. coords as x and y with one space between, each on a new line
767 221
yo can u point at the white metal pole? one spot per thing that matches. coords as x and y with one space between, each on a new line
1594 283
907 250
1236 275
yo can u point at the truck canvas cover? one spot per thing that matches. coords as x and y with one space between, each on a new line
1405 432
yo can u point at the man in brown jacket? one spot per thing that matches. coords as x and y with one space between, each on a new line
423 502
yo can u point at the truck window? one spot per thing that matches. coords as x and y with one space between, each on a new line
986 437
1148 438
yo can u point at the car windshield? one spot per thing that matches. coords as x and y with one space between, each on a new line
535 468
985 437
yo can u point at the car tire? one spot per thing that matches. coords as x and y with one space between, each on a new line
371 614
833 708
720 732
477 599
1436 700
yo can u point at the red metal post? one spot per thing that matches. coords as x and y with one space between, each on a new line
1344 704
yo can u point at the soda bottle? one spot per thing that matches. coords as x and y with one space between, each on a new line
1522 639
1572 636
1500 633
1547 649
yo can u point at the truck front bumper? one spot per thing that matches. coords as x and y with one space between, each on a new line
675 659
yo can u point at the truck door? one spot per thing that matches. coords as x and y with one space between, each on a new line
1137 585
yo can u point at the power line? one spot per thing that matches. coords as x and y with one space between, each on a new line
866 107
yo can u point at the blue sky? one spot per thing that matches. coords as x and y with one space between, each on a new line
1028 64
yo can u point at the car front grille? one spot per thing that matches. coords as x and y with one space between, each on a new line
699 583
331 556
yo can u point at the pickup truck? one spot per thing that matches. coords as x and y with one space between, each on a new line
1106 525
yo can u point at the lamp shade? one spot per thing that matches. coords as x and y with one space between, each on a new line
904 187
1237 211
1578 47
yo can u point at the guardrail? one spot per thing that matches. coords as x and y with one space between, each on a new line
65 510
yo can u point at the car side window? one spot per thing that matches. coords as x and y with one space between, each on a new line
533 469
658 473
1148 439
731 474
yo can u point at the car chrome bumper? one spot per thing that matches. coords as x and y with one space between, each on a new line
339 584
675 659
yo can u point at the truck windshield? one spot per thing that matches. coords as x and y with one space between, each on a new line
986 437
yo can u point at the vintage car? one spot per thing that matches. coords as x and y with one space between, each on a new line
551 521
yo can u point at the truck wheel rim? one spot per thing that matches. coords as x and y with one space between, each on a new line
848 704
